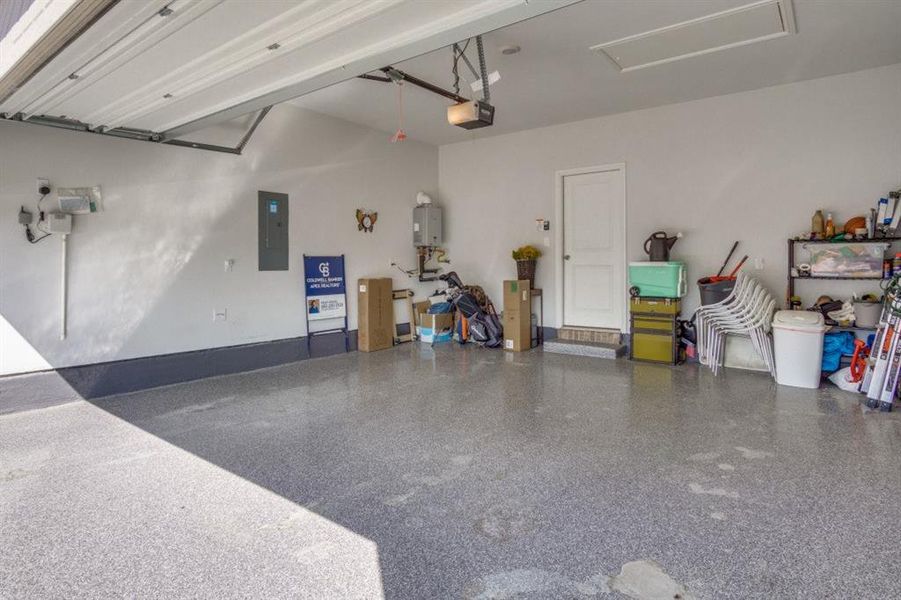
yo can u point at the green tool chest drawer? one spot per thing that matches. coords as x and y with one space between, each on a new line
648 323
655 306
652 347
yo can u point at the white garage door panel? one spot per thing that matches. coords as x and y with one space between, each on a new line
241 55
314 58
216 27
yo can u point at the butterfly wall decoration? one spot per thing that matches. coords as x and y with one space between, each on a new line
366 220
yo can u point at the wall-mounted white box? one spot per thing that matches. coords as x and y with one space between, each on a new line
59 223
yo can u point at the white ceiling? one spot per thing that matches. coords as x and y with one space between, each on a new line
175 66
556 78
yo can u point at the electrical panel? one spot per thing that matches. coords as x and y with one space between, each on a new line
273 231
427 224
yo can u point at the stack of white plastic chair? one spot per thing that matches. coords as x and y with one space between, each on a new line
748 310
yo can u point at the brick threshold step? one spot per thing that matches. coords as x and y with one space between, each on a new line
587 334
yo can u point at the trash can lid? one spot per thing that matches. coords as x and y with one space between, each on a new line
802 320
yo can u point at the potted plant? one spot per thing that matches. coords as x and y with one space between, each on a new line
526 257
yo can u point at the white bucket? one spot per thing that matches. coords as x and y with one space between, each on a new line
866 314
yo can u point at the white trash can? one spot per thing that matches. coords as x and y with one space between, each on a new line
798 343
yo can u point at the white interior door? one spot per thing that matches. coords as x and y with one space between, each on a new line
593 249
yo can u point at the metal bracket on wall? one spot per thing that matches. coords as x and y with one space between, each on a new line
144 135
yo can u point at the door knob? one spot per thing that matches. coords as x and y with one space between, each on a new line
566 257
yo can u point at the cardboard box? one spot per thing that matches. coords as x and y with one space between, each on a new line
517 316
437 323
375 314
428 336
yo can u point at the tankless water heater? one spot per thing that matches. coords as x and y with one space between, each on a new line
427 225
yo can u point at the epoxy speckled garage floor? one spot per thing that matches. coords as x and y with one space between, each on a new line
458 473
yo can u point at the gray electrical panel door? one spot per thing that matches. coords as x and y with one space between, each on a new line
273 231
427 226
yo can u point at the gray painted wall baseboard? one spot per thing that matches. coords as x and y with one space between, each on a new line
85 382
49 388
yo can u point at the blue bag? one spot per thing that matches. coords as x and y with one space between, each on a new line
441 308
834 346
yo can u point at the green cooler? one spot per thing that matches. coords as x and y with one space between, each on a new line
658 279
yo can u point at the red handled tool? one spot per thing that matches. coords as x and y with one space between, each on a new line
859 360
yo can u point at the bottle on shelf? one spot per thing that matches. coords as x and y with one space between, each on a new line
816 224
830 227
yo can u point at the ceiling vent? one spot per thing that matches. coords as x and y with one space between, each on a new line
731 28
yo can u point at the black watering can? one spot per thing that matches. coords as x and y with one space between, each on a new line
657 246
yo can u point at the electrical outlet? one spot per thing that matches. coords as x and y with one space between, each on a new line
229 265
220 314
758 263
43 186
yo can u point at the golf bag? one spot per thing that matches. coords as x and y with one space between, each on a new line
484 327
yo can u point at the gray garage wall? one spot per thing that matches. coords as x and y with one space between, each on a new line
146 275
751 166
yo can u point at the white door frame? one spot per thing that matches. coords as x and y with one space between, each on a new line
558 239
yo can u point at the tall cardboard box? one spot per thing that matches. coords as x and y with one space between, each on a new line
375 314
517 315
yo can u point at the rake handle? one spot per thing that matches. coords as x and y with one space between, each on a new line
738 266
728 257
